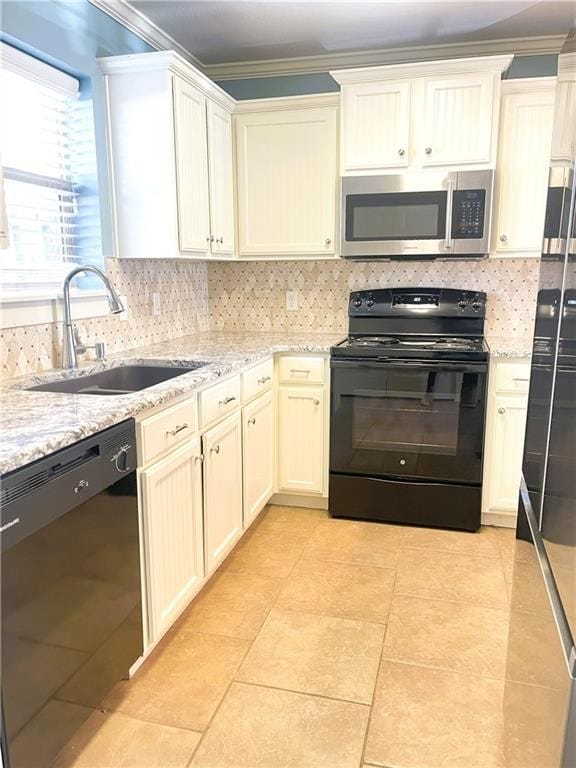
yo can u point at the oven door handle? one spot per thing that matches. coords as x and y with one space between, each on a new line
432 365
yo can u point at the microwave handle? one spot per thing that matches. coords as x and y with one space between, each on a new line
449 201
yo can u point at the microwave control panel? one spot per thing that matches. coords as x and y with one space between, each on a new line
468 214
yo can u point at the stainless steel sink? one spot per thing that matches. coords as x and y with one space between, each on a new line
118 381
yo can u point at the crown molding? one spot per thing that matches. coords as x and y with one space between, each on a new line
308 101
169 61
140 25
437 68
384 56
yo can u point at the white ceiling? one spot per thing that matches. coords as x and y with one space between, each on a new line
224 31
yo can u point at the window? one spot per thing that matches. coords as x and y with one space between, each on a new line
37 151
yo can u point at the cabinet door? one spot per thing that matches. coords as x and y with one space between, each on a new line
258 455
222 489
221 180
301 439
375 126
504 455
191 167
522 172
171 492
564 138
286 173
458 116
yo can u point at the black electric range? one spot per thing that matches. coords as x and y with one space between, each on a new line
408 400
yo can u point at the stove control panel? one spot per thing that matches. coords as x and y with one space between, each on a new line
417 302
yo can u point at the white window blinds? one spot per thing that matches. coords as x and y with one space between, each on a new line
36 143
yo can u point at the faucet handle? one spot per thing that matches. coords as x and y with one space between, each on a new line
78 343
100 350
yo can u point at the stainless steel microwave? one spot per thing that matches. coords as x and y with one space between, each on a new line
415 216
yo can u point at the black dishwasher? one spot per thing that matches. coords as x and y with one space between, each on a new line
71 590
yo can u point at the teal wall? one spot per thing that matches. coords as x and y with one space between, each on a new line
298 85
71 35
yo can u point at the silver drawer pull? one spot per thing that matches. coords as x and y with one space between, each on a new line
252 420
316 401
199 458
299 370
264 379
215 449
520 378
226 400
501 410
178 428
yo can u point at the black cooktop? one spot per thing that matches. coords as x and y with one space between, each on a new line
410 346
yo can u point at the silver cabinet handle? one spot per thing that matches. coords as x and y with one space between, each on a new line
252 420
401 152
328 241
264 379
226 400
503 238
299 370
501 410
199 458
520 378
215 449
428 151
316 401
211 238
207 238
220 240
177 428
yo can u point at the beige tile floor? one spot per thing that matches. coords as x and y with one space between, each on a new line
323 643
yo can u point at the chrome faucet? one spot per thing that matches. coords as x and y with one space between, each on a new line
72 346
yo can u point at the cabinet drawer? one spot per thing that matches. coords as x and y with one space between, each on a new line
219 400
512 377
166 429
257 379
307 370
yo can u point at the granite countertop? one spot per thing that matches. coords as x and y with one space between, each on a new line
509 346
34 424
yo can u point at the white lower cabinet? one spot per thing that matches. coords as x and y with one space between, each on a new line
222 489
504 441
258 455
171 495
301 430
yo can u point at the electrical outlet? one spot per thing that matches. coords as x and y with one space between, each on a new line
156 304
291 300
124 315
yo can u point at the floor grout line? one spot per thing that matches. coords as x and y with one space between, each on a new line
303 693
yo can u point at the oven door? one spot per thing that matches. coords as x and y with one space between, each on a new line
419 420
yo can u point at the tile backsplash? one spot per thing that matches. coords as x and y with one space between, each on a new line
248 296
183 289
252 295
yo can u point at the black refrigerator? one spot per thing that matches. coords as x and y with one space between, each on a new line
540 690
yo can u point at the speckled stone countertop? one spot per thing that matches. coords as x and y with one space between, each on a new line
34 424
502 346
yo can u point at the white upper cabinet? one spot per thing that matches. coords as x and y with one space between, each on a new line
191 167
526 118
458 117
376 125
170 147
441 113
286 178
221 171
564 137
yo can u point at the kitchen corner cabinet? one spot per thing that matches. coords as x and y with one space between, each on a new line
171 160
286 171
414 116
171 497
526 117
258 455
222 450
504 441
